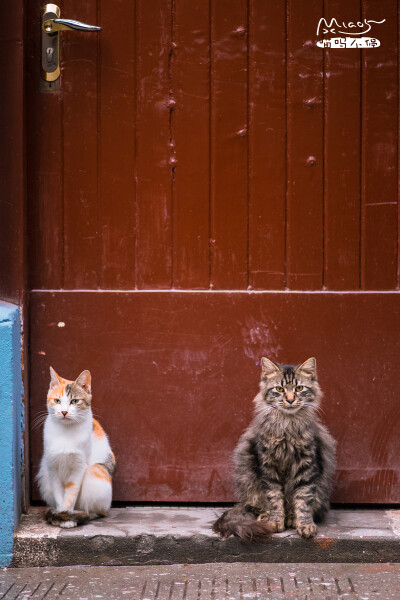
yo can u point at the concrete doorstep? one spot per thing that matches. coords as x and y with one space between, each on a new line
164 536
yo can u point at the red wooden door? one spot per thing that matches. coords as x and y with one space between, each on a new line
207 188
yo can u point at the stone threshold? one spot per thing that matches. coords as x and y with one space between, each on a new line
170 535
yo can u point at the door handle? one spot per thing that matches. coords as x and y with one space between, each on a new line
51 25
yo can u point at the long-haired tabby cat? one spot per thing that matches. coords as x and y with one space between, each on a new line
284 461
75 476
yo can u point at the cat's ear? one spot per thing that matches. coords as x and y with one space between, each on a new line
55 379
84 381
308 368
268 368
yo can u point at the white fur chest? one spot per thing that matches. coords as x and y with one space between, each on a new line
60 440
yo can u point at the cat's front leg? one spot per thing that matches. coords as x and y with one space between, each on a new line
70 481
303 498
72 486
57 488
275 499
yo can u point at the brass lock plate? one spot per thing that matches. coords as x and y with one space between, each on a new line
50 63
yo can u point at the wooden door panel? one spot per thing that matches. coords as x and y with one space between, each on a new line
213 146
216 148
174 375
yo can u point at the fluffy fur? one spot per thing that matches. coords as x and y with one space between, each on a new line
75 476
285 460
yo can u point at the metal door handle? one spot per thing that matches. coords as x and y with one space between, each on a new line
51 25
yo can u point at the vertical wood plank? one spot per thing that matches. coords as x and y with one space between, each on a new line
44 149
229 144
116 196
153 168
190 144
342 114
380 146
12 164
79 84
267 140
305 147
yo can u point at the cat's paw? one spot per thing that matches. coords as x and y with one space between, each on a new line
66 518
290 522
68 524
277 525
51 517
264 516
306 530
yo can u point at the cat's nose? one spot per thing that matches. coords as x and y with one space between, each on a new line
290 398
64 412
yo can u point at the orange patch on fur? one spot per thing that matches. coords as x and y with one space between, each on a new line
58 391
97 429
68 484
100 472
113 457
55 394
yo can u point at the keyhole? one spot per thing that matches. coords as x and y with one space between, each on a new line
49 53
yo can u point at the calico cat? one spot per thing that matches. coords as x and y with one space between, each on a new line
75 476
284 461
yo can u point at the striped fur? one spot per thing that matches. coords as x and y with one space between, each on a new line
285 460
242 522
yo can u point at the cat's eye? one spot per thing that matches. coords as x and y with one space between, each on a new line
74 401
298 388
279 388
57 400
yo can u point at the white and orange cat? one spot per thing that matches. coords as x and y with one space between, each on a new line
75 476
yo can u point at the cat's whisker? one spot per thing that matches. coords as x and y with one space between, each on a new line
38 422
270 406
40 416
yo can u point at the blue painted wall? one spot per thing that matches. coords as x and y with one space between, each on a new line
11 427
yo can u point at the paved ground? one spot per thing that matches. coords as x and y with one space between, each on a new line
235 581
149 536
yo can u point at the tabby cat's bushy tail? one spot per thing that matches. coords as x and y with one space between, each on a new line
243 524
